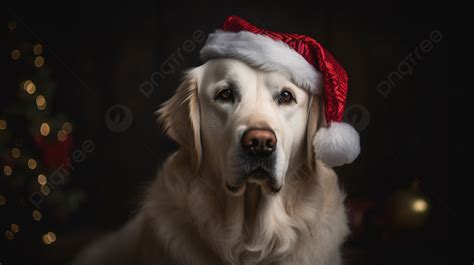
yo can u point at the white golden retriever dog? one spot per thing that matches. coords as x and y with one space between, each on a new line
248 184
245 187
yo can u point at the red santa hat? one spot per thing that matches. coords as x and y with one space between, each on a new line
310 67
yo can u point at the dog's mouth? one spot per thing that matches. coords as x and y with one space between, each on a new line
261 176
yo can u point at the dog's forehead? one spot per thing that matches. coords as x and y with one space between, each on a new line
238 71
277 79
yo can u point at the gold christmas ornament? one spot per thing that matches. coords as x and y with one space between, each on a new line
408 209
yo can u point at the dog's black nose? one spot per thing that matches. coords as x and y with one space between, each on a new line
259 142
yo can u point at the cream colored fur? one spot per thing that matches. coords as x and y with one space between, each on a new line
189 217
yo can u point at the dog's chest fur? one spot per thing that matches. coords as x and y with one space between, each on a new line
304 223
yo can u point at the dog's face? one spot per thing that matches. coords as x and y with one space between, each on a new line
249 125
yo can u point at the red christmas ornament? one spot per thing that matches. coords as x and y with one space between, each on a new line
54 153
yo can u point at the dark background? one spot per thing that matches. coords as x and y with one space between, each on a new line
101 54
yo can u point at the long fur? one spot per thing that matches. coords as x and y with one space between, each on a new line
188 218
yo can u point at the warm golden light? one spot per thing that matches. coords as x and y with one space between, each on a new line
16 54
36 215
38 49
42 107
16 153
29 87
39 61
419 205
62 135
44 129
49 238
15 228
9 235
41 102
67 127
45 189
7 170
31 163
3 124
3 200
42 179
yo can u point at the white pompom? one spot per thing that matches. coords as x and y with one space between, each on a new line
337 145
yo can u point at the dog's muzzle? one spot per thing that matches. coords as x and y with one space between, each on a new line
257 159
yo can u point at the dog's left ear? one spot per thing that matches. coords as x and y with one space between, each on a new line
312 126
180 117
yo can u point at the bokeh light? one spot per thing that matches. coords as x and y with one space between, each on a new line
37 215
15 228
16 153
31 163
419 205
62 135
49 238
7 170
67 127
45 190
41 102
16 54
39 61
29 87
44 129
38 49
9 235
42 180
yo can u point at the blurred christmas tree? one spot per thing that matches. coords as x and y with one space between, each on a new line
35 145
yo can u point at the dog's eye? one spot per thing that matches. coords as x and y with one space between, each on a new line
226 95
285 97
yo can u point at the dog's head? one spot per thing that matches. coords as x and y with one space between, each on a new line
243 124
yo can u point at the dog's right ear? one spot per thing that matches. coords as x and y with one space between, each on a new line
180 118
